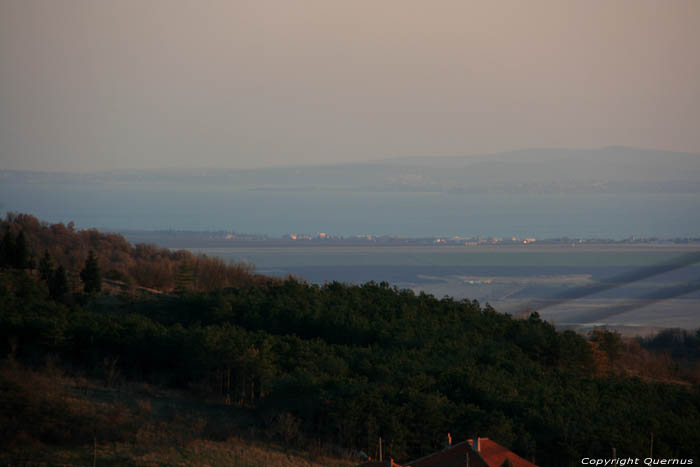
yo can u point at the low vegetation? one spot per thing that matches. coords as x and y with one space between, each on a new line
50 418
315 369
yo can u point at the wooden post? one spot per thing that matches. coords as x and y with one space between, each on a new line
380 450
651 445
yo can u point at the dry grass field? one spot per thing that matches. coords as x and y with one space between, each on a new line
49 418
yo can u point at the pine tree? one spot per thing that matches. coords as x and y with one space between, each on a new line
7 250
14 252
90 275
21 253
58 283
46 266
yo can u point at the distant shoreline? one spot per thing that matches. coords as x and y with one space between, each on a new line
215 240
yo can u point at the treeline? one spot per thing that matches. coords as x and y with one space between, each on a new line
682 345
672 355
26 240
349 364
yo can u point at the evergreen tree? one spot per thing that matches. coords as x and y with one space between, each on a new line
58 284
46 266
7 249
31 263
14 252
90 275
21 253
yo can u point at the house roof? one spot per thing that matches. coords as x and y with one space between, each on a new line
455 456
491 454
495 455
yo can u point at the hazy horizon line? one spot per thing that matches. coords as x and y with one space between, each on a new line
351 163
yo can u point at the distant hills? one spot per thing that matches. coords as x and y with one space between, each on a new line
547 170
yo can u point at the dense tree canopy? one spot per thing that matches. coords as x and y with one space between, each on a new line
144 265
349 364
91 275
14 252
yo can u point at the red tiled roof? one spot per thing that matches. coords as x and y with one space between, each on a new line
491 454
495 455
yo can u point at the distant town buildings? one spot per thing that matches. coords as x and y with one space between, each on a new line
369 239
298 236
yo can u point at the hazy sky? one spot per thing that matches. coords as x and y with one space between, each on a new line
98 84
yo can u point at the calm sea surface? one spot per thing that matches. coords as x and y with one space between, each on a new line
507 280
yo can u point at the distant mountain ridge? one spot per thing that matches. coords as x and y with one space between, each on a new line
546 170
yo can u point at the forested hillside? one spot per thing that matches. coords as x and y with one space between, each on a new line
143 264
335 364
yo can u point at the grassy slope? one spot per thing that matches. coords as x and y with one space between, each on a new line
54 419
